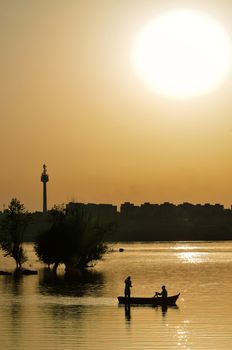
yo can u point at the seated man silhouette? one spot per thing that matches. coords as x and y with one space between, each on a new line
163 294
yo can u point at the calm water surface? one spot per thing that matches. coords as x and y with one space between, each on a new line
44 312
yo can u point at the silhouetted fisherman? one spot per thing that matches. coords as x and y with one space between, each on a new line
164 292
128 286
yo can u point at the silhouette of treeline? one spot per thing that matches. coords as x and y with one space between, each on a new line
150 222
73 239
164 222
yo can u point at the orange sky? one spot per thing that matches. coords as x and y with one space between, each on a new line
70 98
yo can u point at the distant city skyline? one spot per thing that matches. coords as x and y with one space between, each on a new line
44 200
71 98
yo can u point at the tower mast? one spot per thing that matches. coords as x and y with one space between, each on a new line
44 179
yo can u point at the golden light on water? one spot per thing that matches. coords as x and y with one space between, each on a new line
192 257
182 54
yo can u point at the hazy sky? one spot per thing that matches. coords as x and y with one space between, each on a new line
71 99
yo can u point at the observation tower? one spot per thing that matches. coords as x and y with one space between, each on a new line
44 180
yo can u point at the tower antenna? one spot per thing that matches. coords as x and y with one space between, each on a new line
44 179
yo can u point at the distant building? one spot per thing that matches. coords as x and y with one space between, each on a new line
102 212
128 208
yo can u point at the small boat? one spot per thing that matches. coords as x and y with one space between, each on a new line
149 301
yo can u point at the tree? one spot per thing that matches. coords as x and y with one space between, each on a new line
13 226
75 240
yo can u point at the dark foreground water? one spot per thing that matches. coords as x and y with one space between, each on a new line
43 312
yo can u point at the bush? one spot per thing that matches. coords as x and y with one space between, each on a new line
13 227
75 240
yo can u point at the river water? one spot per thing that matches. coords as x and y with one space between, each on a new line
43 312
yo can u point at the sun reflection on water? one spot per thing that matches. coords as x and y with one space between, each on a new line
182 336
192 257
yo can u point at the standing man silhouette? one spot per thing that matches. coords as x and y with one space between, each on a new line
128 286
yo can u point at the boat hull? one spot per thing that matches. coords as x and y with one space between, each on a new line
149 301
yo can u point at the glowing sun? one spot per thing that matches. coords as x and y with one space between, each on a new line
182 54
